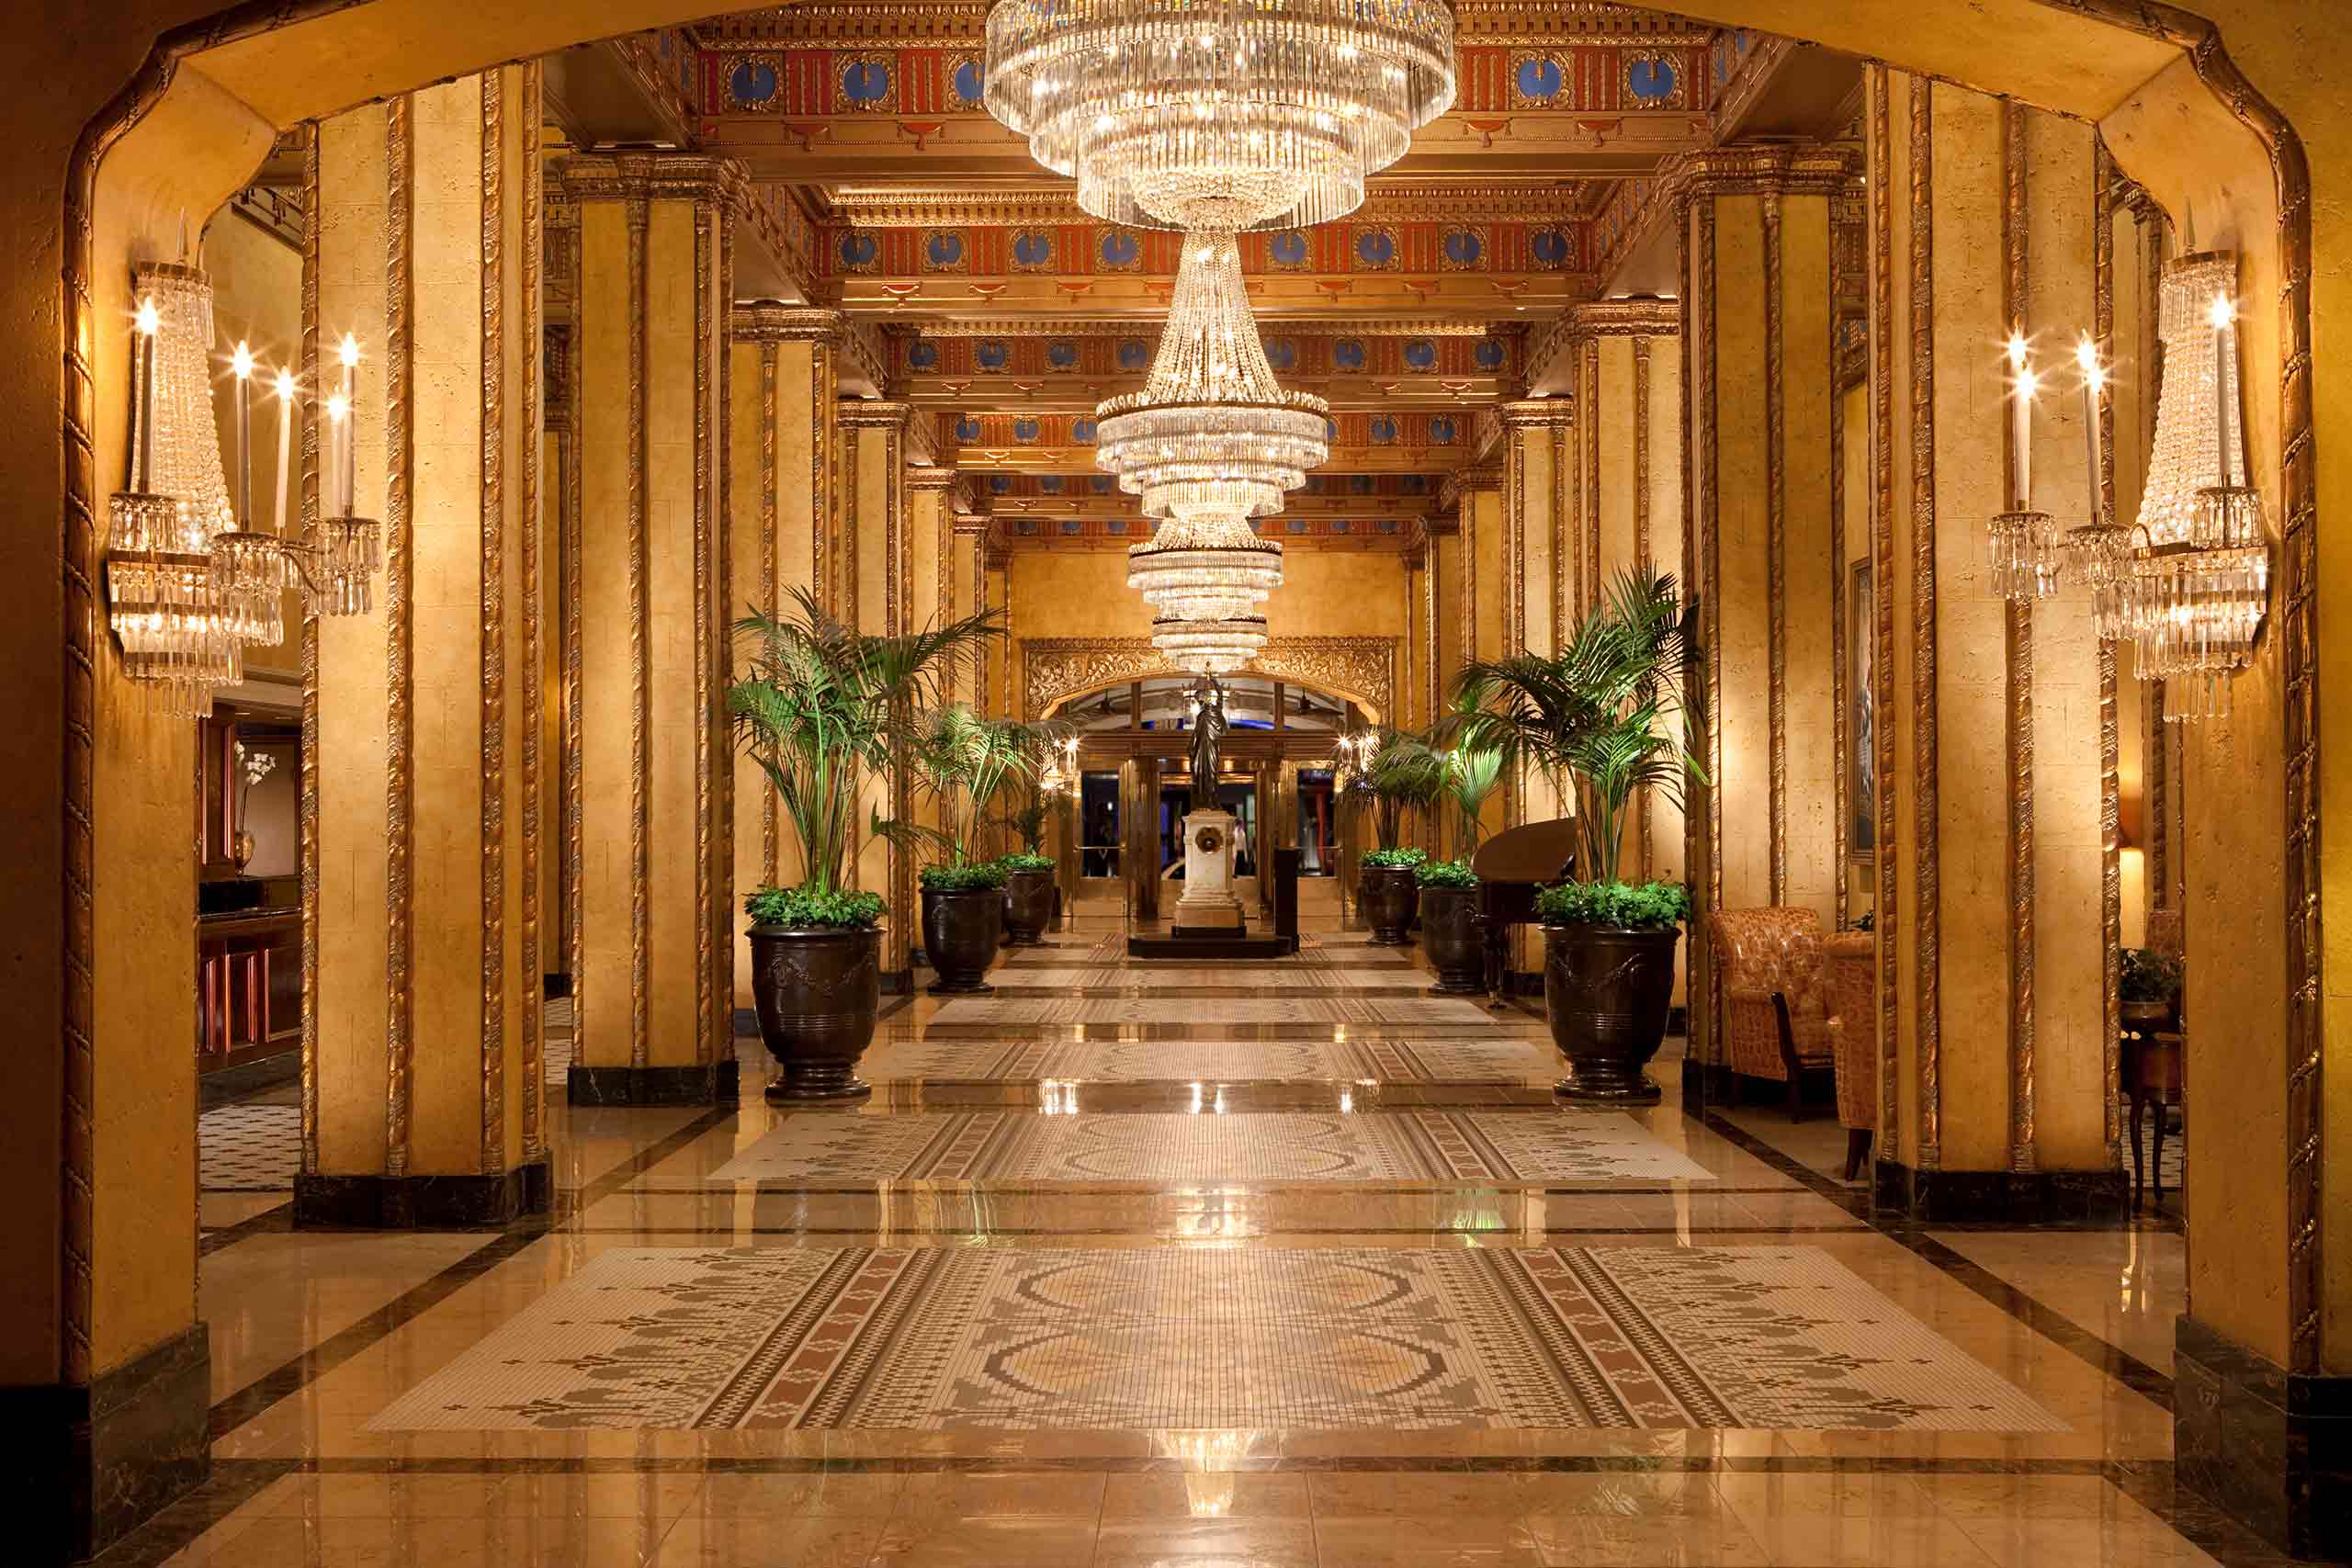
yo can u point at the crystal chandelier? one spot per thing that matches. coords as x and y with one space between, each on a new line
1210 442
1223 114
2201 587
1212 648
345 551
163 602
249 567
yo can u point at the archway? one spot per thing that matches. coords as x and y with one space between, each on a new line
204 106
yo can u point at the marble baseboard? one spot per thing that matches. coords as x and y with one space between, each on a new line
423 1202
98 1460
713 1083
2003 1197
2270 1448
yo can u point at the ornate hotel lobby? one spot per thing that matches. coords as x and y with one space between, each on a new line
1177 783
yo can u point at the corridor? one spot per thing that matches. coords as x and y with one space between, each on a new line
1284 1264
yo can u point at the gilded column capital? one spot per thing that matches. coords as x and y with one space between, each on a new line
652 177
971 524
1539 413
788 323
878 414
1708 172
1459 485
1638 317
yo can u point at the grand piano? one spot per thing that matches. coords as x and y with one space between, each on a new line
1510 866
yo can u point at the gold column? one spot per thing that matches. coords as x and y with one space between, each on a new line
876 566
1537 539
653 763
423 1032
782 462
1760 406
1999 728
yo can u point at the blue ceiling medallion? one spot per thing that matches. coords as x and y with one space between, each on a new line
1383 429
751 84
1115 526
1549 247
1348 354
1025 525
1082 431
1489 354
968 81
1463 247
860 251
1101 484
1072 525
1537 79
1134 354
1032 249
1331 432
1282 352
1442 430
1295 524
1420 353
991 354
998 484
1651 79
944 248
866 84
969 429
1049 484
1360 484
923 354
1343 527
1120 249
1061 354
1025 430
1377 248
1287 248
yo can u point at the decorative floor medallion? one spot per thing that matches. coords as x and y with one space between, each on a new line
954 1337
1528 1146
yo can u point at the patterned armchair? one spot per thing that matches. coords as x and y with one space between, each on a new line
1851 960
1775 1024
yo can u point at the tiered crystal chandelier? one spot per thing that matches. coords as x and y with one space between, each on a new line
2201 587
1216 117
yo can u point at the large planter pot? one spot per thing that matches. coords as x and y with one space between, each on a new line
2149 1018
1454 938
1028 906
1386 895
961 932
816 992
1607 993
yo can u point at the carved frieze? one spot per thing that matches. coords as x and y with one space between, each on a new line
1055 668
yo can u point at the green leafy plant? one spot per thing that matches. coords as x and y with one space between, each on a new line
1618 709
806 907
821 707
1474 771
2148 975
1445 874
965 761
1028 863
1649 905
1398 771
965 877
1401 859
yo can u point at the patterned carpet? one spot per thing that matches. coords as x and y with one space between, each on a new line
1549 1146
1494 1060
1021 1012
933 1338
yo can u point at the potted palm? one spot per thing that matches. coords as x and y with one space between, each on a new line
1029 871
965 760
1617 710
1399 772
1451 932
821 707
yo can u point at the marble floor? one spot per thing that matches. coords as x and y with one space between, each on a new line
1251 1266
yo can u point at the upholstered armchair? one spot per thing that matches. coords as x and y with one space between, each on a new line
1775 1026
1849 962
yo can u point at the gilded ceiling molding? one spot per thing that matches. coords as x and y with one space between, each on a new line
1454 494
701 177
1635 317
920 207
1755 73
657 84
1148 328
1055 669
962 23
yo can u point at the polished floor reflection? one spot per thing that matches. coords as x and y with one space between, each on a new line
1247 1264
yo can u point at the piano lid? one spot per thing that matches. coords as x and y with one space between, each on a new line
1535 852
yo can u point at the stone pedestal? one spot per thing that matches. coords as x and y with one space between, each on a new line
1208 904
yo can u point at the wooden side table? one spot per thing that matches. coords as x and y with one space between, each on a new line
2154 1068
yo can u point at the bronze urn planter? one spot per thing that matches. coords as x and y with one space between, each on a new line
1028 906
1453 936
817 991
961 932
1607 994
1388 896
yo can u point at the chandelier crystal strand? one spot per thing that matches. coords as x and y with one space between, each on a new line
1232 114
1213 648
249 567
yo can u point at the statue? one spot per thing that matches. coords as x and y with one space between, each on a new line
1208 736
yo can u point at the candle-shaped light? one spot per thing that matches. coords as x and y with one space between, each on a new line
151 323
2022 379
2094 382
2224 315
242 362
285 439
346 470
338 433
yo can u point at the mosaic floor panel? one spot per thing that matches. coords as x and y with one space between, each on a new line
249 1148
1489 1061
1019 1012
1780 1338
1547 1146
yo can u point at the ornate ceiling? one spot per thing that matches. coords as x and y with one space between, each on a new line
884 188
